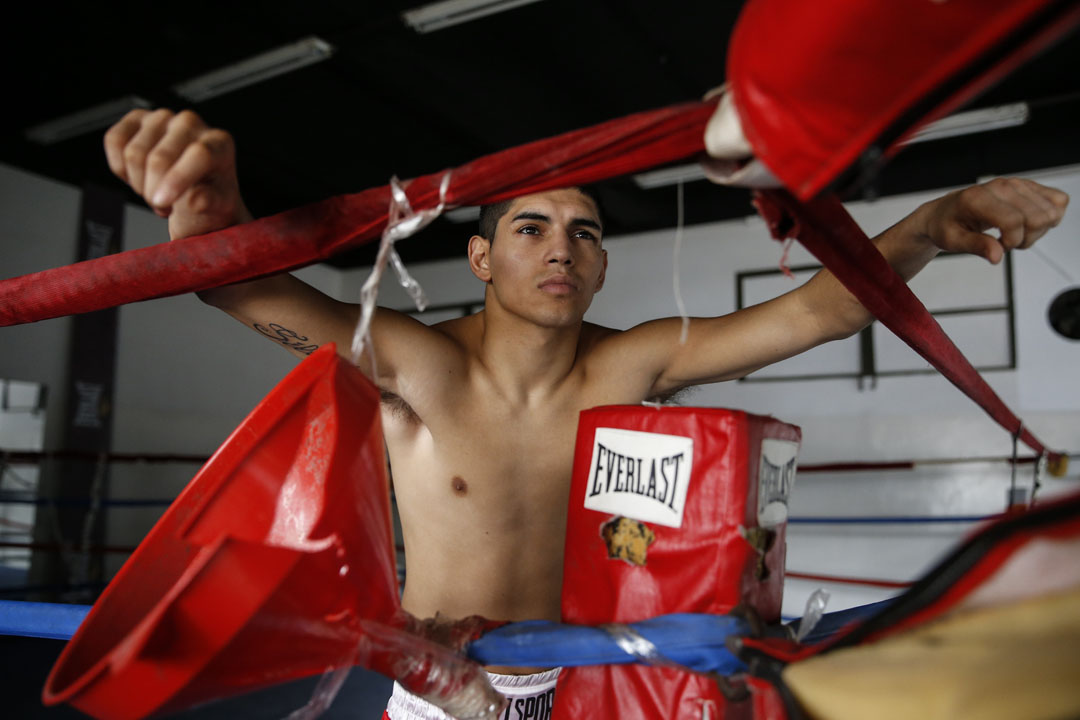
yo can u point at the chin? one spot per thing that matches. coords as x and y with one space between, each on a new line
559 320
553 315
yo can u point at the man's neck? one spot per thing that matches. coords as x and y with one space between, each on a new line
526 360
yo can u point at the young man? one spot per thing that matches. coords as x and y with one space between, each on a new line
482 410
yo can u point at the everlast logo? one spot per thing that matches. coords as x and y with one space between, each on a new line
618 473
776 475
640 475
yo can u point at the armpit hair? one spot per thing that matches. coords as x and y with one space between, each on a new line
398 407
674 397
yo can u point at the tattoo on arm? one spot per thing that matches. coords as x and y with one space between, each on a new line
289 338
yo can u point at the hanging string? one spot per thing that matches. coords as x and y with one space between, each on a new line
680 211
784 268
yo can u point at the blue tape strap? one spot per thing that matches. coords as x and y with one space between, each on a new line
834 622
692 640
696 641
41 620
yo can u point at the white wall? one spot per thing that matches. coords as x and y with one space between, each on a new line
711 256
187 375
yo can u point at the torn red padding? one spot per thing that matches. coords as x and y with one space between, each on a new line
854 75
315 232
830 233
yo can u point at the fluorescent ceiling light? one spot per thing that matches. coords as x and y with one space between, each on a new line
962 123
439 15
84 121
669 176
973 121
461 215
255 69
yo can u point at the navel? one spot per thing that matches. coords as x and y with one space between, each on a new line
459 485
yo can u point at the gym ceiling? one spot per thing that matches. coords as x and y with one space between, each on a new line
394 101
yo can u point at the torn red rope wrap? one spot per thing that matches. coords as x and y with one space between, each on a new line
826 229
315 232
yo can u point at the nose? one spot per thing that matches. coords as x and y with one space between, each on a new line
560 249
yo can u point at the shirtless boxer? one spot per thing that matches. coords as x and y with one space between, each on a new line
482 410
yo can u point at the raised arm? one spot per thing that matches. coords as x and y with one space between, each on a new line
735 345
186 171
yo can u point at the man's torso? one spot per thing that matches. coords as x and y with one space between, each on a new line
481 482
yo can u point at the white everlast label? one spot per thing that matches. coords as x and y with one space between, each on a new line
640 475
775 478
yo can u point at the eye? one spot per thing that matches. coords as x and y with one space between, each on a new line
586 235
529 230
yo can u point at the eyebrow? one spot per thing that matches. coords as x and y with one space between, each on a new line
541 217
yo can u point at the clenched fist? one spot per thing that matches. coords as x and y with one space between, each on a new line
185 170
1021 210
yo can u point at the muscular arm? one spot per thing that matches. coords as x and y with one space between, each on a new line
735 345
289 312
298 317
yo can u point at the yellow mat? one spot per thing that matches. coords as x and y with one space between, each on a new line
1015 661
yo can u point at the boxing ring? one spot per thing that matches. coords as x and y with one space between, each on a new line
700 642
312 584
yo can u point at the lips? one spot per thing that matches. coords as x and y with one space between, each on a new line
558 285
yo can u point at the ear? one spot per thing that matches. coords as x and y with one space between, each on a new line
480 258
603 273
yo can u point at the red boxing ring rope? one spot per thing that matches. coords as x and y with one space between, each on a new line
300 237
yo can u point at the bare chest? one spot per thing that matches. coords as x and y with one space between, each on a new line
484 451
479 464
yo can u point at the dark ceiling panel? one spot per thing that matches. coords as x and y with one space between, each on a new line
393 102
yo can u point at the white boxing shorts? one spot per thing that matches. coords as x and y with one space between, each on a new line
530 698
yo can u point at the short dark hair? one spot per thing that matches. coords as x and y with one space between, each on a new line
491 214
489 218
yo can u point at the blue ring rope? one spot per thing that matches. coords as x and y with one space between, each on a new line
55 621
694 641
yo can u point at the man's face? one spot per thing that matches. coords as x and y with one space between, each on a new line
546 262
